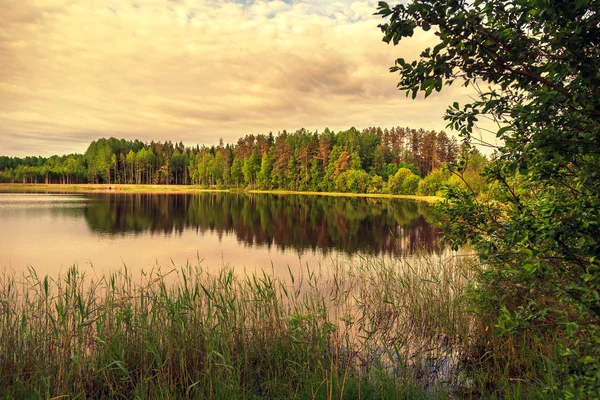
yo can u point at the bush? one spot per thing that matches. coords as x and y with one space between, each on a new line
471 176
432 184
411 185
353 181
396 182
539 234
376 185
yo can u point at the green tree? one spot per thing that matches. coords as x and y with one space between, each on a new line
536 66
237 175
98 158
358 181
378 161
292 173
217 169
144 161
410 184
250 169
388 171
432 184
113 165
264 175
316 174
192 168
177 166
75 169
376 185
204 161
396 181
123 178
470 176
130 161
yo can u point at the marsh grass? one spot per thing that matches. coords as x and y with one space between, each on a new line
377 328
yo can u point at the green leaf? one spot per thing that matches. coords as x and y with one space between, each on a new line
503 130
588 360
571 327
428 91
527 252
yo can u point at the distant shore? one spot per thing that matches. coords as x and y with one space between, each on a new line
165 189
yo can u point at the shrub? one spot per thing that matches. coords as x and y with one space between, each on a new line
411 184
376 185
395 183
431 185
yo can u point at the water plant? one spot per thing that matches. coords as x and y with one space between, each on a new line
366 328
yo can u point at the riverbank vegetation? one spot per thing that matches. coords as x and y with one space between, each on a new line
378 328
535 230
534 66
186 189
396 161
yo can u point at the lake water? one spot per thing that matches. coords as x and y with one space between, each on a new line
51 232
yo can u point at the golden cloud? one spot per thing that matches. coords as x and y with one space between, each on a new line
73 71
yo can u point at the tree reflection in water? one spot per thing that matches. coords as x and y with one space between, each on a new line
350 225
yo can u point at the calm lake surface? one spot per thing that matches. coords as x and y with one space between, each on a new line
52 232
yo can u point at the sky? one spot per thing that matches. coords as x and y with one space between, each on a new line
72 71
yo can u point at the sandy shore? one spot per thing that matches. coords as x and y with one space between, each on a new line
97 188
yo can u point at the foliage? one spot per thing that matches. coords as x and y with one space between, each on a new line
266 166
237 175
250 169
403 182
352 181
432 184
396 181
536 66
411 184
376 185
470 175
301 160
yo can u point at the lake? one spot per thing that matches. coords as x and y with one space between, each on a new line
52 232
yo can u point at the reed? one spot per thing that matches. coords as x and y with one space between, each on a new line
376 328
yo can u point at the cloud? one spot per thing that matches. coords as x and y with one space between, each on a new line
73 71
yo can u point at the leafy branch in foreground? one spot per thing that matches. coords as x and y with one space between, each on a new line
539 228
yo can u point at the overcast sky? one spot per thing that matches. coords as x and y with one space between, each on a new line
197 70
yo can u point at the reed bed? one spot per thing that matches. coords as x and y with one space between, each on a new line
377 328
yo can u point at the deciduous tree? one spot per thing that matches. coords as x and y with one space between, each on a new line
535 64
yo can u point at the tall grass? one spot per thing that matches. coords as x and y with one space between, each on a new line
379 328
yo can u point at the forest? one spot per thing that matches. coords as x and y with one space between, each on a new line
374 160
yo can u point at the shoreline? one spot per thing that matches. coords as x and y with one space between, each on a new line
183 189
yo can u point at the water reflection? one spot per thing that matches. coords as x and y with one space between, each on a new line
323 223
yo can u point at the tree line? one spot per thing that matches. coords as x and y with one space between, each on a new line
373 160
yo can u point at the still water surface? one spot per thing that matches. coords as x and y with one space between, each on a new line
51 232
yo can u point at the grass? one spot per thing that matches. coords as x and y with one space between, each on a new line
129 188
376 329
97 188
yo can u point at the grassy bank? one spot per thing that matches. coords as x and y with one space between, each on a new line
356 332
94 188
380 329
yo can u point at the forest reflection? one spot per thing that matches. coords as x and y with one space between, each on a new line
349 225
